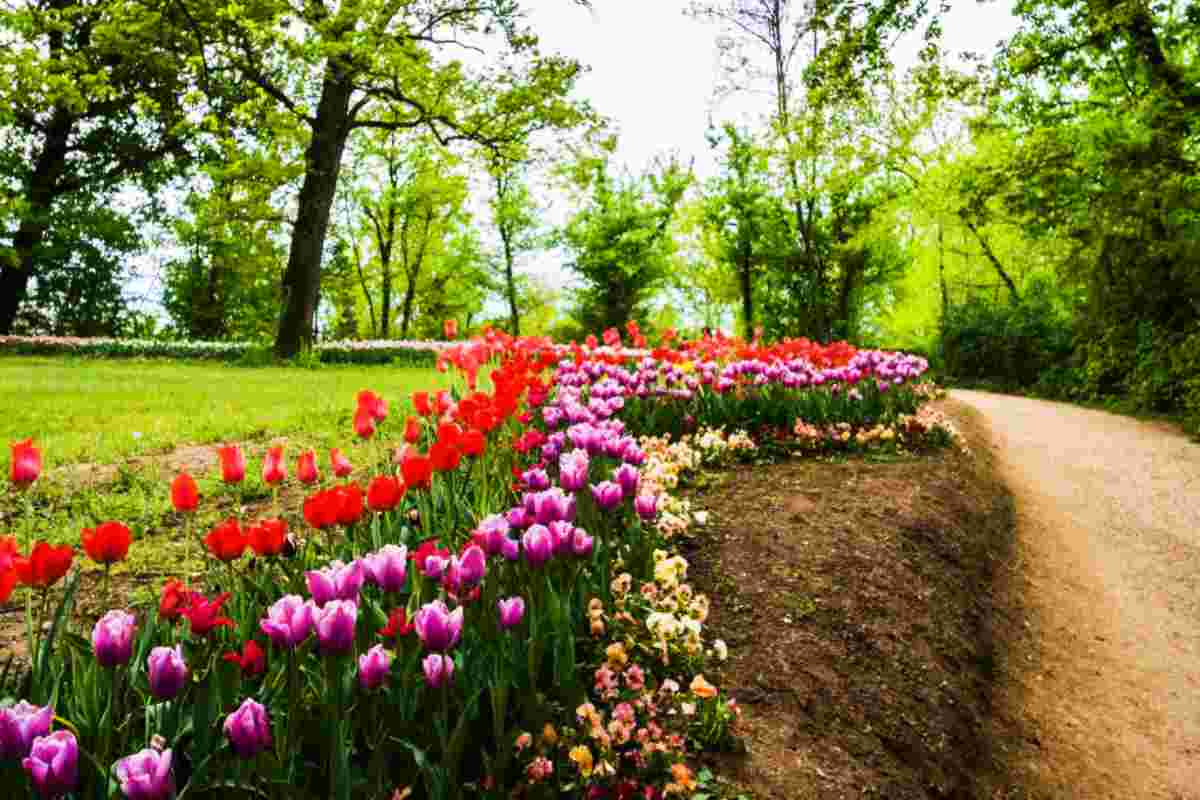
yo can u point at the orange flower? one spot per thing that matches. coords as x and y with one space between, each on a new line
702 688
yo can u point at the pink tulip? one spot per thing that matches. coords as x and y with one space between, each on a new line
439 670
373 667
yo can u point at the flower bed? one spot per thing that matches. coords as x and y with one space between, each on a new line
402 353
498 612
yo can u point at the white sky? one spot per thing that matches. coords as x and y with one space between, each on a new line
653 68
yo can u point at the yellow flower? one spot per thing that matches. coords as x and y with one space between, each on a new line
617 657
582 757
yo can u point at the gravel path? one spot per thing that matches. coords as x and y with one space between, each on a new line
1108 529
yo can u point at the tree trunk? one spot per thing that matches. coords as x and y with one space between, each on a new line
323 162
410 292
746 279
991 256
510 281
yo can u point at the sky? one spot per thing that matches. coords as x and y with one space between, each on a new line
652 68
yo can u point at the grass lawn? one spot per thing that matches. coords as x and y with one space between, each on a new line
125 413
105 411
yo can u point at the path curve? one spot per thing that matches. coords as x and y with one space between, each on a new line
1108 532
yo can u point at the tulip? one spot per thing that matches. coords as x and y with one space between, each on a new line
510 549
274 468
627 477
450 328
384 493
439 670
45 566
338 581
320 509
412 430
20 724
107 543
437 626
449 434
420 401
146 775
53 764
646 506
512 611
268 537
203 614
581 543
444 457
26 463
375 405
252 660
348 500
166 671
573 470
538 545
233 463
340 464
416 469
387 568
289 621
472 566
426 551
174 596
373 667
184 494
335 623
306 468
490 534
473 443
364 423
536 479
248 729
607 495
226 542
560 536
112 638
398 625
550 505
518 518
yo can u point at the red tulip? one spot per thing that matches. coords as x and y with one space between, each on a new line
268 537
443 401
320 509
450 328
364 423
8 572
45 566
233 463
398 625
341 465
26 463
226 541
444 457
420 401
306 469
374 404
274 467
416 468
107 543
448 434
174 597
472 443
203 614
185 496
384 493
412 430
349 503
252 659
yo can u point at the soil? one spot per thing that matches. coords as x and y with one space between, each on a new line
868 611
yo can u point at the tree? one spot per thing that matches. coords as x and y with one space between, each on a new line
385 66
515 215
91 96
618 242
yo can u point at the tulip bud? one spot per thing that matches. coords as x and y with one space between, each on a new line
538 545
112 638
339 463
274 467
437 626
306 468
439 670
146 775
512 611
26 463
335 626
338 581
248 729
373 667
627 477
185 496
573 470
289 621
388 567
607 495
53 764
646 506
167 671
233 463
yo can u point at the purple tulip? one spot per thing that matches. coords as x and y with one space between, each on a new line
53 764
573 470
112 638
373 667
338 581
248 729
627 477
434 567
538 544
646 506
289 621
146 775
511 549
439 670
335 623
471 566
581 543
491 533
167 671
550 505
512 611
536 479
437 626
607 495
387 568
20 724
518 518
560 536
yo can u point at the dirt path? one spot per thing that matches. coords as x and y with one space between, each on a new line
1108 530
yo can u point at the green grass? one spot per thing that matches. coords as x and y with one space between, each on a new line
84 411
106 411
